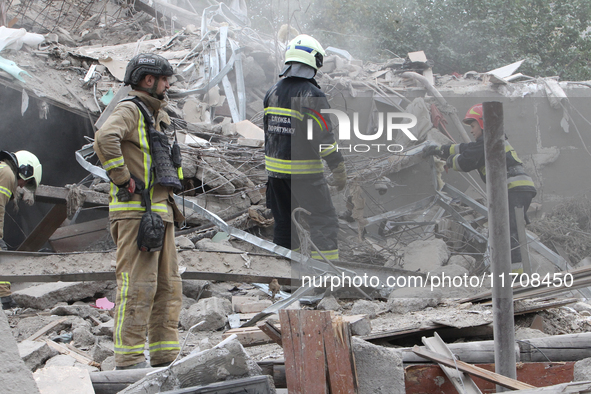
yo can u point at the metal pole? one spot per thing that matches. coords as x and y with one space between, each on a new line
499 240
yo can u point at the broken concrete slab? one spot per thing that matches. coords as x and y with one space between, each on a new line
61 360
360 324
425 256
64 380
212 311
529 333
196 289
328 303
468 262
83 311
105 328
15 377
102 350
227 360
249 130
209 245
34 354
242 304
379 369
47 295
412 299
82 337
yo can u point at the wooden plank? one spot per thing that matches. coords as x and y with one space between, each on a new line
461 381
108 275
572 388
339 356
78 229
271 331
311 324
473 370
54 218
48 327
248 336
64 350
79 236
291 347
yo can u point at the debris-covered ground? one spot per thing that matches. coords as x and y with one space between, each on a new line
223 69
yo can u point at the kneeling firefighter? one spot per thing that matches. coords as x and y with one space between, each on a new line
24 170
145 170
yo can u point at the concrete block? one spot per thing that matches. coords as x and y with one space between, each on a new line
102 350
328 303
582 370
250 142
249 130
34 354
108 364
64 380
82 337
47 295
213 311
360 324
83 311
228 360
365 307
105 328
242 304
425 256
196 288
15 377
184 243
379 369
209 245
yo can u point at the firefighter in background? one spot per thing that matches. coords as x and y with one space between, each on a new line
16 169
470 156
294 163
149 285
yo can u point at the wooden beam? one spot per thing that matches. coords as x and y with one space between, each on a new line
110 275
64 350
59 195
272 332
48 327
473 370
39 236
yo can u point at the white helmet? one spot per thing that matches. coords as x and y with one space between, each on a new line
29 167
305 49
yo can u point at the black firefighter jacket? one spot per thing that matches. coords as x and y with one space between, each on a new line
289 149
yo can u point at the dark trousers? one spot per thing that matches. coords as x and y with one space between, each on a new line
284 195
517 199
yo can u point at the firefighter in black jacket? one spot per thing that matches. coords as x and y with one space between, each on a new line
293 154
470 156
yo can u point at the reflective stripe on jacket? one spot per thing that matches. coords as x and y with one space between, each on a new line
7 188
288 152
470 156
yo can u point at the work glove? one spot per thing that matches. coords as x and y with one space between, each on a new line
126 190
3 245
339 176
432 150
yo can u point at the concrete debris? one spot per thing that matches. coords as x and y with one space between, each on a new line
424 256
47 295
228 360
379 369
328 303
212 311
184 243
63 380
34 354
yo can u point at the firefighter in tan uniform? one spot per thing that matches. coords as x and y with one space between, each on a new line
16 169
149 293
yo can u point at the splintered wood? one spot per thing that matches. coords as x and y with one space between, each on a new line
318 353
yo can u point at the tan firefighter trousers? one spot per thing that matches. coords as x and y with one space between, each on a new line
5 289
149 297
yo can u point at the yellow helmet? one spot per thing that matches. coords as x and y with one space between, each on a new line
305 49
29 167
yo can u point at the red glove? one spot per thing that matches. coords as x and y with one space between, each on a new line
131 187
